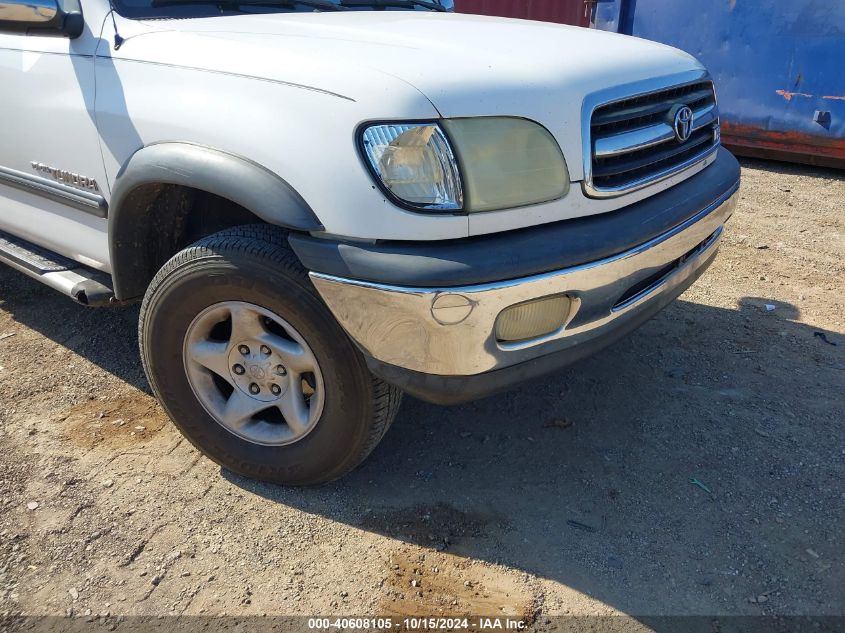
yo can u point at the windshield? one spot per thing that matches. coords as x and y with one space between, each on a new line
163 9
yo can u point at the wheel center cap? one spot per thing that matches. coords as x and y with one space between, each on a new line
254 370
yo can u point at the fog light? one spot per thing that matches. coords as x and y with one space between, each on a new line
533 319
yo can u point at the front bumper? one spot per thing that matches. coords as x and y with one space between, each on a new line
439 343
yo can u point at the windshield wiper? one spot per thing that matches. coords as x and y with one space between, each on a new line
427 4
323 5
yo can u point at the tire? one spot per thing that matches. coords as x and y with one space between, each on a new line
244 272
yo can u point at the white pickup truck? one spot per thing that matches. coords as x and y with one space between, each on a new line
322 204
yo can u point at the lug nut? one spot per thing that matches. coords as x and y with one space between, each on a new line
276 389
281 371
239 370
254 389
265 350
244 350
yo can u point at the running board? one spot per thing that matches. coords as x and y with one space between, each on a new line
88 287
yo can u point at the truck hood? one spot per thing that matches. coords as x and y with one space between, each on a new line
465 65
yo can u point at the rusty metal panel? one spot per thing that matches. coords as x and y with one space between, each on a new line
779 67
563 11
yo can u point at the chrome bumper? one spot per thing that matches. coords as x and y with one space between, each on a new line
450 331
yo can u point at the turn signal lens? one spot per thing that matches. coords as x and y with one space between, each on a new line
416 164
533 319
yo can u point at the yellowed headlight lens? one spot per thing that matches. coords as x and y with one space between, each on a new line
507 162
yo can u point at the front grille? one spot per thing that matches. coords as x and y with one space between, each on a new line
634 143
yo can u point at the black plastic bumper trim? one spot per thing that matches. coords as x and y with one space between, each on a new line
524 252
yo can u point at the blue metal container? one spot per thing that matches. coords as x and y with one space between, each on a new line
779 67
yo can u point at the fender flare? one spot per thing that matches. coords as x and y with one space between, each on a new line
221 173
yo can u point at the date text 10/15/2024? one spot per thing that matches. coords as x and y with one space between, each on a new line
418 624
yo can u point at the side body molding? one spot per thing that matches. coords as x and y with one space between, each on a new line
229 176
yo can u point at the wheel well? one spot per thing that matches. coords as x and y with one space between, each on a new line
167 219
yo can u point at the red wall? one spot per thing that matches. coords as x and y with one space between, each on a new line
564 11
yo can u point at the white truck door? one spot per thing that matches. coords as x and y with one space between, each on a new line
53 186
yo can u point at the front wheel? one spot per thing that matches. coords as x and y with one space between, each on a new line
253 368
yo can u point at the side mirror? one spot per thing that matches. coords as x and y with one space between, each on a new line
41 17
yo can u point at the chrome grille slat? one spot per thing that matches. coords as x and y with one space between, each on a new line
641 138
626 164
626 114
633 141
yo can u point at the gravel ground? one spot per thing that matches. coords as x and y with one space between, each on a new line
694 468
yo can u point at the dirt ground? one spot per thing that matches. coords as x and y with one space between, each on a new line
695 468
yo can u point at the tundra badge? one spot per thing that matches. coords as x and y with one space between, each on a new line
66 177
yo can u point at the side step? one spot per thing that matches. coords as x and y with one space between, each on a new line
86 286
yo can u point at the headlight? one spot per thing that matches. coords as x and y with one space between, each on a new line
504 163
415 163
507 162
